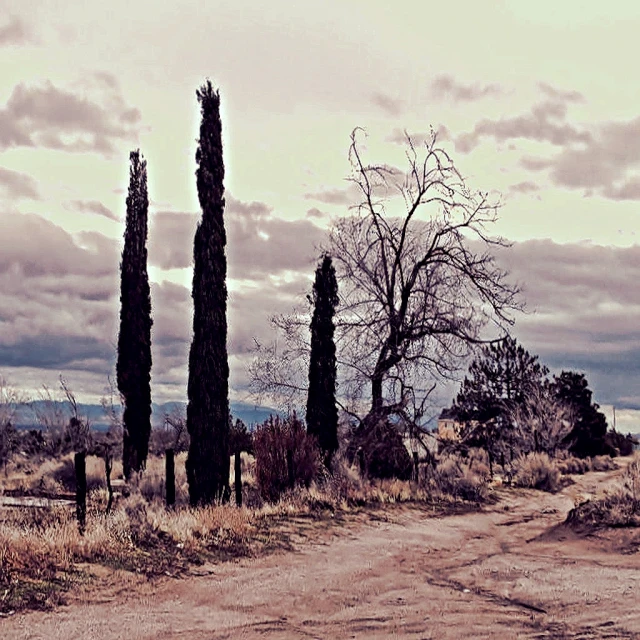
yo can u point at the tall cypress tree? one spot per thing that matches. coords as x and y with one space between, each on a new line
322 413
208 386
133 367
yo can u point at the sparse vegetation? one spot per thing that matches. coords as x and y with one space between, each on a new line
617 507
537 471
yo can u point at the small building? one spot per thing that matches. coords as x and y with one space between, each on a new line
448 427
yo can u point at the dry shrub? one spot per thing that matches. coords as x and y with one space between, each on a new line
618 507
454 477
537 471
603 463
285 456
574 466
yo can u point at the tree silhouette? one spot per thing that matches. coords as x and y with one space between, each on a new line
499 381
208 386
322 412
133 366
587 437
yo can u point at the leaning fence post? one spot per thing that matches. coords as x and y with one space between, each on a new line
237 469
80 466
170 469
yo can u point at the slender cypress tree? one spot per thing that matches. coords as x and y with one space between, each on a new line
133 367
208 386
322 413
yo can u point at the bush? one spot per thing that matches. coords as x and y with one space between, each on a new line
453 477
573 465
285 456
537 471
602 463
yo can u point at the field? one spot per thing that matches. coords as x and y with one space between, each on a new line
511 569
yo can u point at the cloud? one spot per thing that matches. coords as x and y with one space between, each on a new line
560 94
445 86
391 106
18 185
399 136
582 310
332 196
58 297
315 213
90 117
524 187
14 32
545 123
628 190
259 244
93 206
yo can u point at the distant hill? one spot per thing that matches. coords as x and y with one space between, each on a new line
250 414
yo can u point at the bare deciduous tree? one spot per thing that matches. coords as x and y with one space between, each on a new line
418 285
418 280
542 422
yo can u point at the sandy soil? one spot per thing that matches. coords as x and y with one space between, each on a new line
507 572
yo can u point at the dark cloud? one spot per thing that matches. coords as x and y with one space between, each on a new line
545 123
582 308
90 118
18 185
14 31
93 206
315 213
445 86
391 106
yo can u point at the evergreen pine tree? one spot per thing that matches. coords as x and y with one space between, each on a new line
133 366
322 413
208 386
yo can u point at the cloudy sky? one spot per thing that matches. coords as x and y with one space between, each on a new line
536 100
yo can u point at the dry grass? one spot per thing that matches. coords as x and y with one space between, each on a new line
537 471
40 549
617 507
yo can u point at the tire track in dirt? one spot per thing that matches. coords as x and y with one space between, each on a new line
505 572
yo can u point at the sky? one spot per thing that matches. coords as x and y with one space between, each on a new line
536 101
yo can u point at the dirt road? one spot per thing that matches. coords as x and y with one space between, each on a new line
503 573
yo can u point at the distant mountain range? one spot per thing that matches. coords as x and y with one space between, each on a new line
250 414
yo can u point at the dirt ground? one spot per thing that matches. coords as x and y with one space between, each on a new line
507 572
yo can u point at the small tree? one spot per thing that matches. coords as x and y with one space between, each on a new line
134 340
500 380
208 386
322 412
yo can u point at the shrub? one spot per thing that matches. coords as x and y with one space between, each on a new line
573 465
537 471
285 456
453 477
602 463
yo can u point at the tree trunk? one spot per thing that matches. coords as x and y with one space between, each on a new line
376 394
170 470
108 463
237 471
80 466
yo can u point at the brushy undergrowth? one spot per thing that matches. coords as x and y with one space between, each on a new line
537 471
41 549
617 507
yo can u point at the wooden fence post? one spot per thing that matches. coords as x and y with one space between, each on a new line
237 470
170 468
80 465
